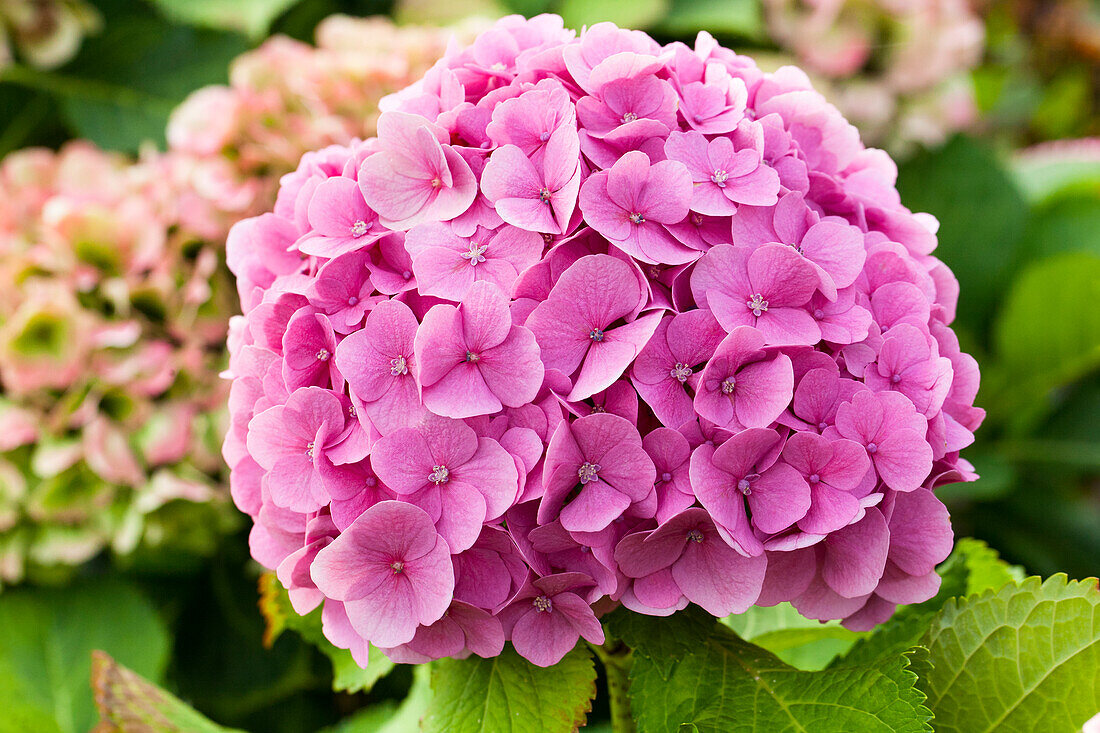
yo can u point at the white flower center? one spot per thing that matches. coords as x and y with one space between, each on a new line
729 384
544 195
757 304
397 567
680 372
359 228
596 334
719 178
439 475
323 355
637 218
629 117
476 253
398 366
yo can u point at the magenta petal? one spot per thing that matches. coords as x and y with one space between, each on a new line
855 557
543 638
716 577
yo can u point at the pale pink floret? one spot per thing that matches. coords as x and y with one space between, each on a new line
415 177
704 569
602 455
391 571
744 385
892 432
575 325
547 617
832 468
766 288
536 197
443 466
671 454
744 470
667 371
635 202
725 172
473 360
341 220
446 264
381 367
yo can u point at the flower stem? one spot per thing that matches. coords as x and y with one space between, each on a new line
617 658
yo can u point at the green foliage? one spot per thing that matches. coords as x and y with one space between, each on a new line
46 642
795 639
348 676
1022 658
127 702
508 694
251 17
725 684
624 13
391 718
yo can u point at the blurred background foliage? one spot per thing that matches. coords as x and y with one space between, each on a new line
1003 150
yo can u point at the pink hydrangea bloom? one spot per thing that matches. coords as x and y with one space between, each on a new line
630 324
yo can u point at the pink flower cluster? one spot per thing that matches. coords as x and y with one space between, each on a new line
112 331
898 68
230 144
593 321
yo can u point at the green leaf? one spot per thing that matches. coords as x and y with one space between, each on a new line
1057 168
251 17
46 641
982 215
1064 224
797 640
729 18
390 718
127 702
1024 658
508 694
1048 333
638 14
727 685
348 676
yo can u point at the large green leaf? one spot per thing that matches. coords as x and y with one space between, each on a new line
727 685
624 13
1048 333
348 676
129 703
727 18
797 640
46 642
389 717
1025 658
252 17
508 694
982 215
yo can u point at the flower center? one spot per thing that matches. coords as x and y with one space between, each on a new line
371 482
398 366
544 195
589 472
544 136
406 274
598 408
437 182
629 117
439 475
872 448
309 449
359 228
596 334
472 357
666 477
680 372
822 425
542 604
757 304
637 218
695 536
895 378
353 300
323 355
476 253
819 314
397 567
814 478
745 484
719 178
729 384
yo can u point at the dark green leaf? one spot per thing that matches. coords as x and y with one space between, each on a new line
727 18
251 17
47 638
508 694
1025 658
727 685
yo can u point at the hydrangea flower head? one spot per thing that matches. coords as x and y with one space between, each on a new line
623 324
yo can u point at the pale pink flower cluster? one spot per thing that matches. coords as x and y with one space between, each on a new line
593 321
897 68
44 33
111 337
229 144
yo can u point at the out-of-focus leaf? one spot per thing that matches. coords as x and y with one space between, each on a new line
391 718
624 13
508 694
252 17
733 18
46 641
1065 224
801 642
1023 658
982 215
348 676
441 12
1048 333
1055 168
128 703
